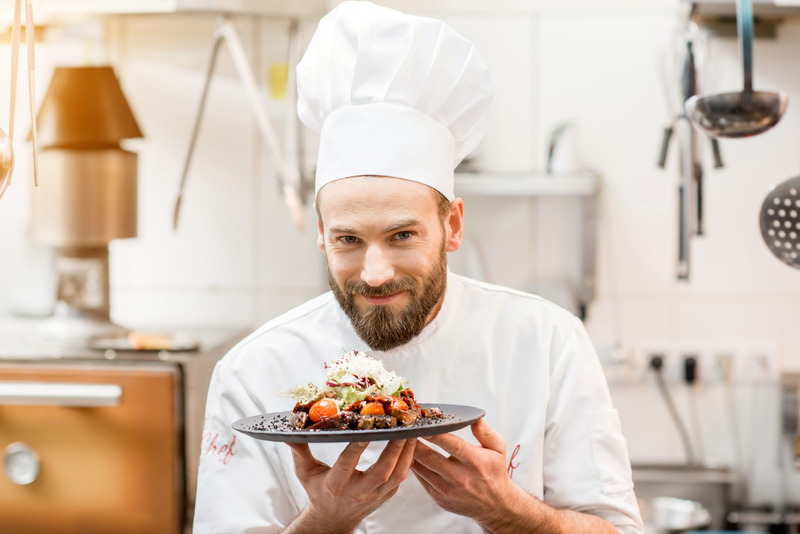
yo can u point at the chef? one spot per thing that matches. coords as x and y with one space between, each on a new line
398 101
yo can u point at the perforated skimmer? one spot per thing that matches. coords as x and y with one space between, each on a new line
780 221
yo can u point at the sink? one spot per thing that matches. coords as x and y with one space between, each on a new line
710 487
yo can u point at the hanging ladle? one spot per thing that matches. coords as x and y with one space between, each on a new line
741 113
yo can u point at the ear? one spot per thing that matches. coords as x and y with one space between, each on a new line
320 232
454 225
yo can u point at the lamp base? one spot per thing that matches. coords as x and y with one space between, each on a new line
67 325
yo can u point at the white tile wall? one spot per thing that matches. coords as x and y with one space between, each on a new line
235 246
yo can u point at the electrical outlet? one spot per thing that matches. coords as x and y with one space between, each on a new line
621 363
737 363
759 366
671 367
720 366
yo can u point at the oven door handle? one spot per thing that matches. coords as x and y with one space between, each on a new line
59 394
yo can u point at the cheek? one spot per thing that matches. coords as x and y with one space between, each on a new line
343 266
418 262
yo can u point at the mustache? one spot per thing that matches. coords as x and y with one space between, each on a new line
359 287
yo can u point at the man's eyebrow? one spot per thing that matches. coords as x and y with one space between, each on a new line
403 223
342 230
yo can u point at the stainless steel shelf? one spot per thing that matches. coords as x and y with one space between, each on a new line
580 188
583 184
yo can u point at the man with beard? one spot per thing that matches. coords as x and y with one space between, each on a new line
399 101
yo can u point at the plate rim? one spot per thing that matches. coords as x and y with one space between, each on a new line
346 436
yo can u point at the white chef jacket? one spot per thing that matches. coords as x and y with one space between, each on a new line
526 361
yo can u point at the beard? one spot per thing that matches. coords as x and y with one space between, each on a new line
382 327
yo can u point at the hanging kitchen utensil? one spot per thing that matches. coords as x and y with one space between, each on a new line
288 175
8 153
6 161
696 183
29 40
691 186
780 221
740 113
689 166
672 71
6 140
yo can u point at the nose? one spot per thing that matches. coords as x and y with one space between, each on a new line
378 268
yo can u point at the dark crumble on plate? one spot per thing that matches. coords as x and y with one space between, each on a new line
281 423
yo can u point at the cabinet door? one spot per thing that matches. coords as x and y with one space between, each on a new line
107 463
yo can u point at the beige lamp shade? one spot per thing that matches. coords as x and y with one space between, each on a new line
84 107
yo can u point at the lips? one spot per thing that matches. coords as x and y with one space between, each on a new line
381 300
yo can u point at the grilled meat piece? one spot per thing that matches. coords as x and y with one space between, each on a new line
405 417
370 422
355 406
340 421
299 419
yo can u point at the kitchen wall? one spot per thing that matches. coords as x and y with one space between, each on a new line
237 259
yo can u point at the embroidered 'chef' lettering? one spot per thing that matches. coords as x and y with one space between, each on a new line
214 445
511 465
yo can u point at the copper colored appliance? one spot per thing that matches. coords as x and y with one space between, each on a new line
91 448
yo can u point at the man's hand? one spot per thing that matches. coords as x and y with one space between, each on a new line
473 481
340 497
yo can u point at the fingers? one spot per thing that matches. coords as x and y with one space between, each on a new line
406 457
434 462
348 460
451 444
430 481
300 451
392 465
405 460
461 450
487 437
304 461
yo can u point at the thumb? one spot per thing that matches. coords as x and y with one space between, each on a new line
487 437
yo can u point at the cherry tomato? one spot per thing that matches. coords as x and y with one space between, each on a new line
398 404
322 408
373 408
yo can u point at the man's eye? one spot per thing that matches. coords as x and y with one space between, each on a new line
403 235
349 239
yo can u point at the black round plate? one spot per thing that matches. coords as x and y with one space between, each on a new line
456 417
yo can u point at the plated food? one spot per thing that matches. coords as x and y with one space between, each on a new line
358 394
359 401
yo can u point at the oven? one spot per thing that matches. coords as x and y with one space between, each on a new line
98 442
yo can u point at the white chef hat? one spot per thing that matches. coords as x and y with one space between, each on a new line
391 95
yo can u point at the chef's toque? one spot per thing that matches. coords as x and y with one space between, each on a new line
391 95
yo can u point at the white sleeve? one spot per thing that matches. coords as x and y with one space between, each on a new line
586 467
240 483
